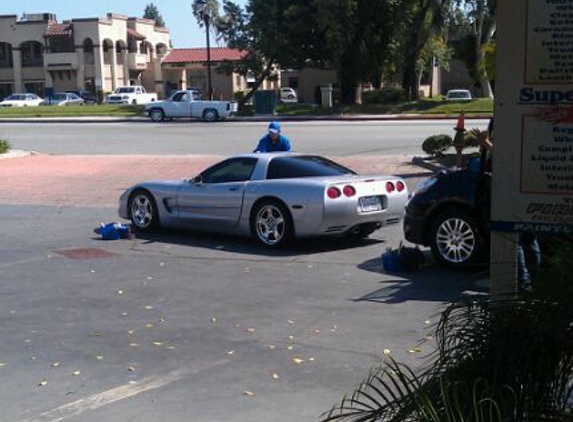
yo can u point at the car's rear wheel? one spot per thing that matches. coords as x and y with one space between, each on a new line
210 115
143 211
271 224
156 115
455 239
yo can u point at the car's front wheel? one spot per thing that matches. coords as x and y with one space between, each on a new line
143 211
271 223
156 115
455 239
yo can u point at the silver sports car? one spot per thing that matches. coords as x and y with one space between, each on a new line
272 197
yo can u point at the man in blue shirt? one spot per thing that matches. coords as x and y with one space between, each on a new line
273 141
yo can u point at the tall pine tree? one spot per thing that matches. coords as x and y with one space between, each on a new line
151 12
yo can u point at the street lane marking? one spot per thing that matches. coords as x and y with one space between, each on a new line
114 395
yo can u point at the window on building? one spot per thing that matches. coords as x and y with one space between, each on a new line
107 51
5 55
32 54
5 90
62 44
88 51
34 88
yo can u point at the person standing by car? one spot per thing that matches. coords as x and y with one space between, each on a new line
273 141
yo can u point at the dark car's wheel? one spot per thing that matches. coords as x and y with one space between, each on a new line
143 211
156 115
455 239
271 223
210 115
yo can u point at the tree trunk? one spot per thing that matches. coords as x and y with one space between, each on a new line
358 95
258 82
482 39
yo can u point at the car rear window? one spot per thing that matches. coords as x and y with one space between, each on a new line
304 166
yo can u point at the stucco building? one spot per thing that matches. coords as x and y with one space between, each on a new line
187 68
38 53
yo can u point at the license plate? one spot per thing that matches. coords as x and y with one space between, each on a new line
370 203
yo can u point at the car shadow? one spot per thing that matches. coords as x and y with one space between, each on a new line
432 283
246 246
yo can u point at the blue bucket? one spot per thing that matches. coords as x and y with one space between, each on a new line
392 261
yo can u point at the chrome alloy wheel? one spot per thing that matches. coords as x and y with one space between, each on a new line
142 211
456 240
270 225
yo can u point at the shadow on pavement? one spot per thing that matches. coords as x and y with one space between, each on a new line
247 246
431 283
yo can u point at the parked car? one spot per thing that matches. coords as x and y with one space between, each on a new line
62 99
272 197
88 97
288 95
131 95
458 95
21 100
189 104
450 212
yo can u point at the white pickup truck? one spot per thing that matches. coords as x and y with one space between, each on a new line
189 104
130 95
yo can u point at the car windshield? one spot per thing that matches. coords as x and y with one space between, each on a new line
126 90
304 166
59 97
16 98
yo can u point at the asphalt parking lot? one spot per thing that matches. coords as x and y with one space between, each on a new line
190 326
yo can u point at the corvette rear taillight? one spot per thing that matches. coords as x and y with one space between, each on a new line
349 191
400 186
333 193
390 187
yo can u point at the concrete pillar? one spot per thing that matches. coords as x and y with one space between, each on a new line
326 96
49 80
99 73
17 60
184 79
113 69
80 72
503 272
125 58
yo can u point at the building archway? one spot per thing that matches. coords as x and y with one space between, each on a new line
108 51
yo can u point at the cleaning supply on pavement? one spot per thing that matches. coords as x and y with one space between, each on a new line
113 231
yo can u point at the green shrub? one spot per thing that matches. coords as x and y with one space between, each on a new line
437 144
238 95
390 94
470 140
4 146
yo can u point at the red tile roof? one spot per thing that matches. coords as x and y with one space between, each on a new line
58 30
199 55
132 33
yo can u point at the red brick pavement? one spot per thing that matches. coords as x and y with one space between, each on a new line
97 181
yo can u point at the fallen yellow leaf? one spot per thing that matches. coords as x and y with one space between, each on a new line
149 325
249 393
272 346
149 307
387 351
55 364
298 361
120 292
250 330
133 345
290 321
231 352
275 376
76 373
100 357
43 383
311 359
157 343
290 347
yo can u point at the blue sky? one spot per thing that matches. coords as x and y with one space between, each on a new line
177 14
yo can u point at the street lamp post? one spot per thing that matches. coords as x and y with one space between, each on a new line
206 17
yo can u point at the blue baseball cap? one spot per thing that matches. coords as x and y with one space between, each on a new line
274 127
